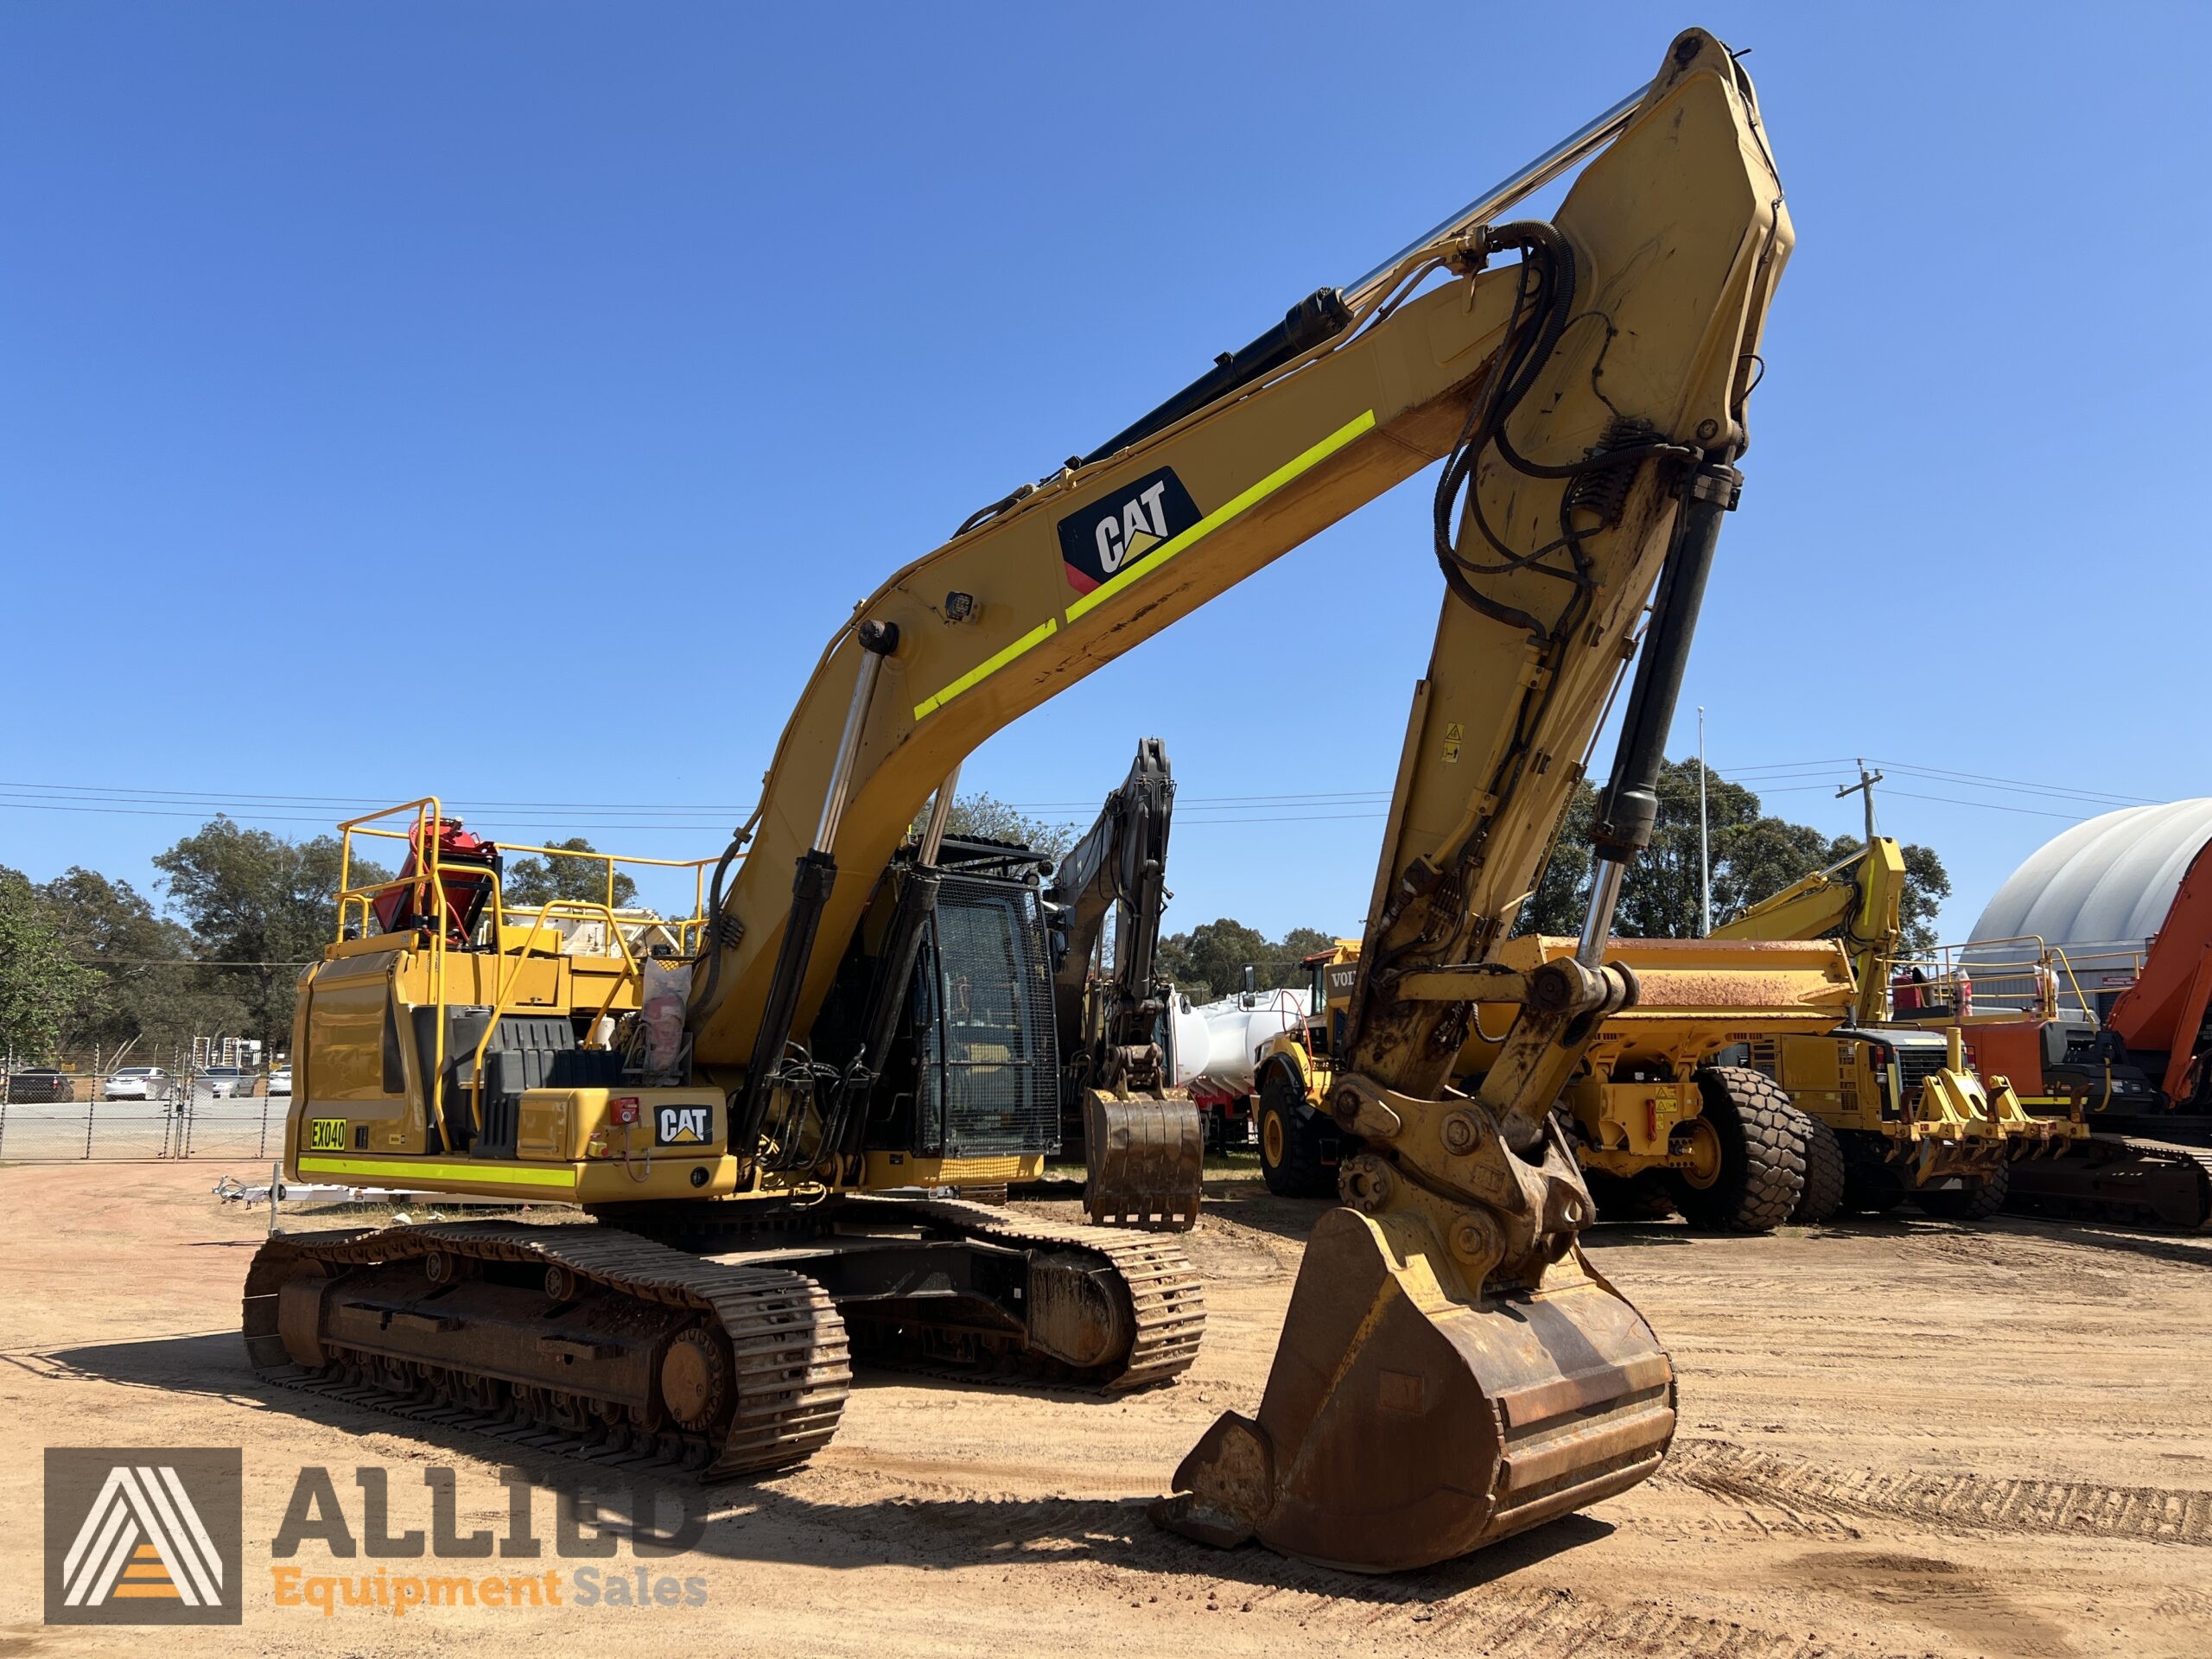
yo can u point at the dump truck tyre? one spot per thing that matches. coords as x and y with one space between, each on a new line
1761 1154
1971 1200
1824 1174
1290 1141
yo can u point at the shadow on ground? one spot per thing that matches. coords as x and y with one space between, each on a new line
776 1522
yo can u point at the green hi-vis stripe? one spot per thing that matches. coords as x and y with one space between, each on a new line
1294 467
1221 515
990 665
414 1169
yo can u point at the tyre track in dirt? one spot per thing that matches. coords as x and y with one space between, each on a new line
1953 1502
1505 1620
1546 1622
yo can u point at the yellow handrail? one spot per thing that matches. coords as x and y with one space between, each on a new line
507 979
698 867
429 875
422 835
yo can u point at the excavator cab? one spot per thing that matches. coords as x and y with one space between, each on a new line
972 1078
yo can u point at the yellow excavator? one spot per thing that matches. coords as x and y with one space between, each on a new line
757 1135
1895 1111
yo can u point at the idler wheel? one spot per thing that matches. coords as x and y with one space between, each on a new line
694 1379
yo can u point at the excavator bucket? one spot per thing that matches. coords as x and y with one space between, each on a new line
1146 1160
1402 1426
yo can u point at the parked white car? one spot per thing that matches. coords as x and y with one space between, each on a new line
280 1081
139 1082
222 1082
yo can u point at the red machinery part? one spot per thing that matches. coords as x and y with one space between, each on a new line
467 865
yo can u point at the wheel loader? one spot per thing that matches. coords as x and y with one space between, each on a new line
752 1139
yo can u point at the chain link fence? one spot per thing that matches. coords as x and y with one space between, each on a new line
49 1116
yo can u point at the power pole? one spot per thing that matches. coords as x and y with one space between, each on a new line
1864 787
1704 849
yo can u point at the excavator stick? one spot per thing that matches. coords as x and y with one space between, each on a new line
1451 1369
1147 1159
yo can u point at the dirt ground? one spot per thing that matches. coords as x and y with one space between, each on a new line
1898 1438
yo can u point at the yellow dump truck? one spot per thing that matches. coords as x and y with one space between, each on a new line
1654 1114
1685 1099
1896 1112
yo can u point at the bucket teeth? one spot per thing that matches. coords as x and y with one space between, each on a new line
1402 1427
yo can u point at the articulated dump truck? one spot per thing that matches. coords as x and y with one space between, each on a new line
1896 1110
1661 1113
1743 1089
753 1134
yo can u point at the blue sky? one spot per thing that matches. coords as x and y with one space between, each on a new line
507 401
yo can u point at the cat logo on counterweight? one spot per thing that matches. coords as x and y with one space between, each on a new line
681 1125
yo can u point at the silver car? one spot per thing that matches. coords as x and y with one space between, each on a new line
223 1082
139 1082
280 1081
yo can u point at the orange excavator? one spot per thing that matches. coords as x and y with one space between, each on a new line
2142 1075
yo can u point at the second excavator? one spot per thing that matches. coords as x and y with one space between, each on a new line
752 1130
1144 1146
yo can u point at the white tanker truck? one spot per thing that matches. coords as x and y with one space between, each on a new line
1214 1049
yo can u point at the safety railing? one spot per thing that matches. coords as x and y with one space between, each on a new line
2016 977
647 932
1991 978
611 864
510 974
356 918
2091 973
429 877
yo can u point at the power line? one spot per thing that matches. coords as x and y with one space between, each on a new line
2016 786
1297 817
249 816
1756 777
135 795
1776 778
107 792
1187 817
1730 773
1990 806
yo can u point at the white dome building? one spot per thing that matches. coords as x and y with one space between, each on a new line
2101 890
